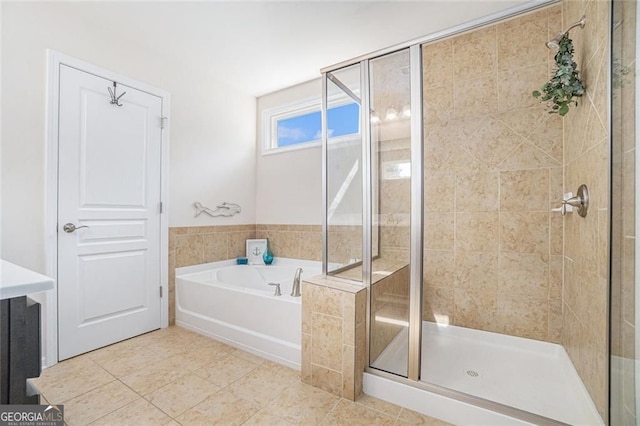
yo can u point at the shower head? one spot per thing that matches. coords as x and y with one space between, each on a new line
554 43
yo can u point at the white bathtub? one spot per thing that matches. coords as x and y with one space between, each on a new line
234 304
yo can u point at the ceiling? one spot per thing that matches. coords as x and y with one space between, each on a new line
262 46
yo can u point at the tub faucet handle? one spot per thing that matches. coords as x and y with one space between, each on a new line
277 292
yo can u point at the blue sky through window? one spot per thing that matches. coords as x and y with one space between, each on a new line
342 120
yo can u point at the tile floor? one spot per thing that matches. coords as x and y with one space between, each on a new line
176 377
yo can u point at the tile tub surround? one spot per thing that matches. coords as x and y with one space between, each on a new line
204 244
333 335
344 242
174 376
293 241
493 170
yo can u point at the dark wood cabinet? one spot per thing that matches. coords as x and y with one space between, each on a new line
20 355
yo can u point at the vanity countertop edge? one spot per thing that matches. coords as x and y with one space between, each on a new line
16 281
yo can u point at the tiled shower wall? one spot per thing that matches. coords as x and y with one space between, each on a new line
388 300
586 160
493 171
203 244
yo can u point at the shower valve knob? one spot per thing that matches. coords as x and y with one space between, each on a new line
580 201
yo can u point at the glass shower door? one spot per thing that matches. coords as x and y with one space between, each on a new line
625 290
391 164
344 173
373 198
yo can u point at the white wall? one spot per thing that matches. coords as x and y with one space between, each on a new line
212 127
212 140
288 184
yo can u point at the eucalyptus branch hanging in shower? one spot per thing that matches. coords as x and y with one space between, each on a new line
565 85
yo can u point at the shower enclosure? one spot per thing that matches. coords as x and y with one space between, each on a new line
445 205
380 170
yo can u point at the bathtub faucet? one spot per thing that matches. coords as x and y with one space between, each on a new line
277 291
295 289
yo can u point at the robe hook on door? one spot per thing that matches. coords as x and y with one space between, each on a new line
115 100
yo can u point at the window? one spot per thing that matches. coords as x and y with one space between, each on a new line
343 120
300 125
299 129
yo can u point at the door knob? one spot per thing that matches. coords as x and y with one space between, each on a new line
70 227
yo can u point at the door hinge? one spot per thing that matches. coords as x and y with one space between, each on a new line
163 121
161 207
160 291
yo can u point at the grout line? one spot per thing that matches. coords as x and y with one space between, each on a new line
111 412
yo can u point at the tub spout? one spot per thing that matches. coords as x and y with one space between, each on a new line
295 289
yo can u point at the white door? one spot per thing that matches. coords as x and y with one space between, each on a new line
109 190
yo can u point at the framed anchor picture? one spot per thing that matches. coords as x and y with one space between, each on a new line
255 250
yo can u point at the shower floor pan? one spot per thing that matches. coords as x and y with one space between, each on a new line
530 375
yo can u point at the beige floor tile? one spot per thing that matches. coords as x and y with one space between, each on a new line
127 361
174 330
282 370
71 378
226 370
408 417
350 413
162 333
92 405
172 337
201 341
138 413
263 418
186 392
255 359
199 357
117 349
222 408
261 386
158 364
180 340
302 404
145 339
156 375
380 405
